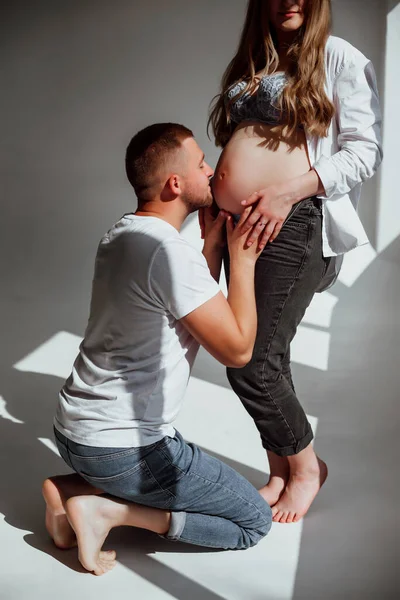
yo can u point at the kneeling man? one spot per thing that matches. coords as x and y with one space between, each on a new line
155 298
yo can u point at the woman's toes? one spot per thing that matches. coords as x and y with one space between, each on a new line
296 518
290 517
277 516
283 517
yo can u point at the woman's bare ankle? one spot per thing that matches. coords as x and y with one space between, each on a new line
304 464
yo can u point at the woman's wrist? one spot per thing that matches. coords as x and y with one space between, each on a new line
303 186
213 255
212 247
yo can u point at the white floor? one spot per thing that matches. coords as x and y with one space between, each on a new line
346 372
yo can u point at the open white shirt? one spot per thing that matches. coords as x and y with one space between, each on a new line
352 151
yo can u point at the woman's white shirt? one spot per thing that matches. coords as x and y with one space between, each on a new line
352 151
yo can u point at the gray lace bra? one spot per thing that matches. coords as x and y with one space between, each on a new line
263 105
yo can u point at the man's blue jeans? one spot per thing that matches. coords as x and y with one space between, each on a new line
211 504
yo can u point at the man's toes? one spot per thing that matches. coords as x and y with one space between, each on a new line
107 555
103 566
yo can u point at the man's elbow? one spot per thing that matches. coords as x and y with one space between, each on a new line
239 360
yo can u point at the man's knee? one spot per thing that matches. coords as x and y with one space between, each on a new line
260 529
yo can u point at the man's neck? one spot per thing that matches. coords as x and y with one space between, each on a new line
172 214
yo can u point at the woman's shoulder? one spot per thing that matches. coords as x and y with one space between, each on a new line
340 52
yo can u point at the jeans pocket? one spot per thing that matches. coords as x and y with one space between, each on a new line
136 484
296 216
302 212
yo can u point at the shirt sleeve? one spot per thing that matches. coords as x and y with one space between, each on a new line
180 279
358 116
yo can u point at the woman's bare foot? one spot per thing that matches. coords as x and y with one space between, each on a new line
279 476
302 487
56 491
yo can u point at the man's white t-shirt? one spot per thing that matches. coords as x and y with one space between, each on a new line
130 376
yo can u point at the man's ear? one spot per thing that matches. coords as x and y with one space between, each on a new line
174 183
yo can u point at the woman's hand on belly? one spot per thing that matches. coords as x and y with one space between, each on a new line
273 204
269 214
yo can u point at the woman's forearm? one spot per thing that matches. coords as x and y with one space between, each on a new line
303 186
213 256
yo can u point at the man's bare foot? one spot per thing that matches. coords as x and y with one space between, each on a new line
56 520
279 476
299 493
56 491
92 517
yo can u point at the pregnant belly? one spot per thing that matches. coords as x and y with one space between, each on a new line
254 158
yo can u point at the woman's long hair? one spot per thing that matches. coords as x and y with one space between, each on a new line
303 101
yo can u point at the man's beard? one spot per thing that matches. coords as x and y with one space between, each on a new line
193 201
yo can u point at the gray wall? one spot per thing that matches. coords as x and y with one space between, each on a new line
79 78
362 23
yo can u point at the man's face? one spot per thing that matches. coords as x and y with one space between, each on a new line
196 181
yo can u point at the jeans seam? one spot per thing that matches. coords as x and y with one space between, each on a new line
295 279
108 457
205 545
220 485
170 462
68 453
119 476
172 496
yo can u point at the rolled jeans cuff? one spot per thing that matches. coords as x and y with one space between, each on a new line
177 525
292 449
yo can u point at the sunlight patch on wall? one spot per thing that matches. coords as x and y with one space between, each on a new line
49 444
355 263
320 310
310 347
4 414
54 357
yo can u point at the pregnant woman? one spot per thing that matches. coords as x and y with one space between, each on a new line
298 118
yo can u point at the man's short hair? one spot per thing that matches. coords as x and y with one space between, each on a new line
150 149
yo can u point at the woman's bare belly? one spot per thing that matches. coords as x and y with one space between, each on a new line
255 157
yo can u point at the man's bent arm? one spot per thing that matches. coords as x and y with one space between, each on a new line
226 328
